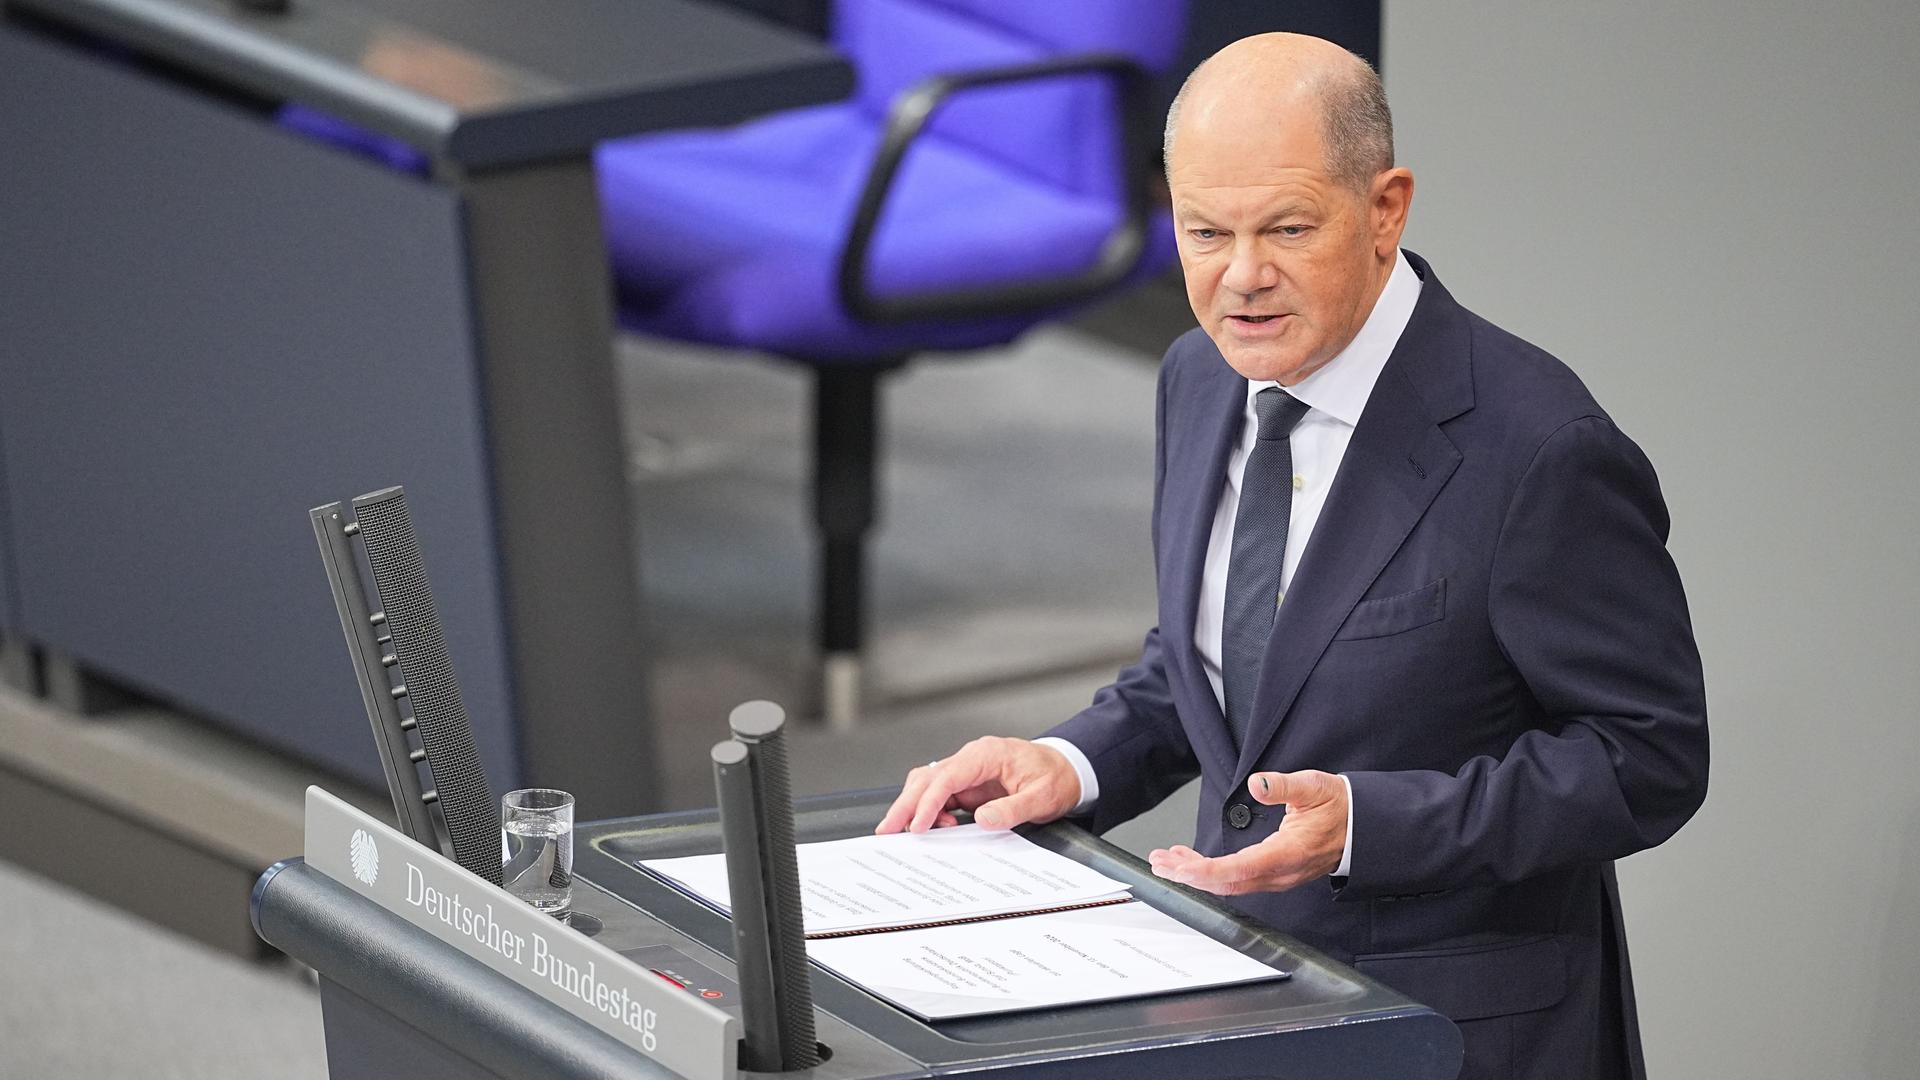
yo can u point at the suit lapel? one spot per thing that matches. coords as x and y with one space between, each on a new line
1394 467
1196 471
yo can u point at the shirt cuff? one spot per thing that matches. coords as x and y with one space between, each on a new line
1090 784
1346 853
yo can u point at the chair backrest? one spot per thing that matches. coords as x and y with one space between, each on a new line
1059 130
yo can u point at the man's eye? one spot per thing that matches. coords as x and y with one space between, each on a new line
1292 231
1205 234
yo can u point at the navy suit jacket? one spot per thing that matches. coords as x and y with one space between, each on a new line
1486 635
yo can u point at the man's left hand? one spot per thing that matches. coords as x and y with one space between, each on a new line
1306 846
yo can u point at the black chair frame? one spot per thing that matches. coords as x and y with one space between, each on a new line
846 400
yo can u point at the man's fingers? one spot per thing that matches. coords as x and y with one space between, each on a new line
1172 863
901 811
934 797
1228 875
1269 788
969 777
1307 844
1027 783
1038 784
906 805
1265 867
1295 788
1224 876
1010 810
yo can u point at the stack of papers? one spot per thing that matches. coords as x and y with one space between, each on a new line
967 921
899 880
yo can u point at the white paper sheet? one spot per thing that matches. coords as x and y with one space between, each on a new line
1036 961
903 878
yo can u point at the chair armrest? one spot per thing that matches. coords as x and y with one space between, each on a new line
1119 254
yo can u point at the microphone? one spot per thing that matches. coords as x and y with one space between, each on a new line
763 878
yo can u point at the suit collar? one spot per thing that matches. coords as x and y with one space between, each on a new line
1435 353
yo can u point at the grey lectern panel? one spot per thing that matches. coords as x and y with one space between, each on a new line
208 325
397 1000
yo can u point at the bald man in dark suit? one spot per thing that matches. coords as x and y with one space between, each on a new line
1419 635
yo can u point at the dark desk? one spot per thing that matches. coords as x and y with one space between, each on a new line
484 83
209 324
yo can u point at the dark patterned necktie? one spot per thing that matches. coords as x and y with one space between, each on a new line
1259 546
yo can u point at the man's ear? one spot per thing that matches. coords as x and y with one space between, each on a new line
1390 196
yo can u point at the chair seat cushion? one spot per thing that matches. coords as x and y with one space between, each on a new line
734 236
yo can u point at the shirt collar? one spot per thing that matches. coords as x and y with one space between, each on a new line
1341 387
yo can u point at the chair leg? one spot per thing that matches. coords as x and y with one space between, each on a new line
846 424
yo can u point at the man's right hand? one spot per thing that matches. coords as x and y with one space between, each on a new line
1005 782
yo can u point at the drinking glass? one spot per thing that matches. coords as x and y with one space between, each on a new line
536 848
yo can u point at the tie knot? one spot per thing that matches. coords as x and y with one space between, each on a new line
1277 411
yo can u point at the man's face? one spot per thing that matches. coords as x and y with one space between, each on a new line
1283 262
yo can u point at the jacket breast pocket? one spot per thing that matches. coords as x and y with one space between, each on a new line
1396 614
1472 984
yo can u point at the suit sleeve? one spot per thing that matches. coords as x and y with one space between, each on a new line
1588 608
1132 736
1131 733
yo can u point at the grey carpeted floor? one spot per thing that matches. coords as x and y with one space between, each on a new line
1011 576
88 991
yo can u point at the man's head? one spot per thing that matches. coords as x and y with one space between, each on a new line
1286 202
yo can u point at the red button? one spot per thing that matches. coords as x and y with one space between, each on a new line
711 994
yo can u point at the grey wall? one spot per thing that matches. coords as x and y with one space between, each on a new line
1705 209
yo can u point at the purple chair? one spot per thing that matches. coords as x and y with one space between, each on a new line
991 172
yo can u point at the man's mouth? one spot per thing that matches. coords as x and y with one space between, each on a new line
1255 319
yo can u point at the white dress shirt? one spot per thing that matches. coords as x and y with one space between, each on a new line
1336 395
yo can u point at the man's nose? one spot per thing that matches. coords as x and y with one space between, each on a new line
1250 271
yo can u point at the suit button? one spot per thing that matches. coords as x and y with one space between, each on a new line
1239 816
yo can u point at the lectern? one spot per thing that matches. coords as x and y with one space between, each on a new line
407 994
